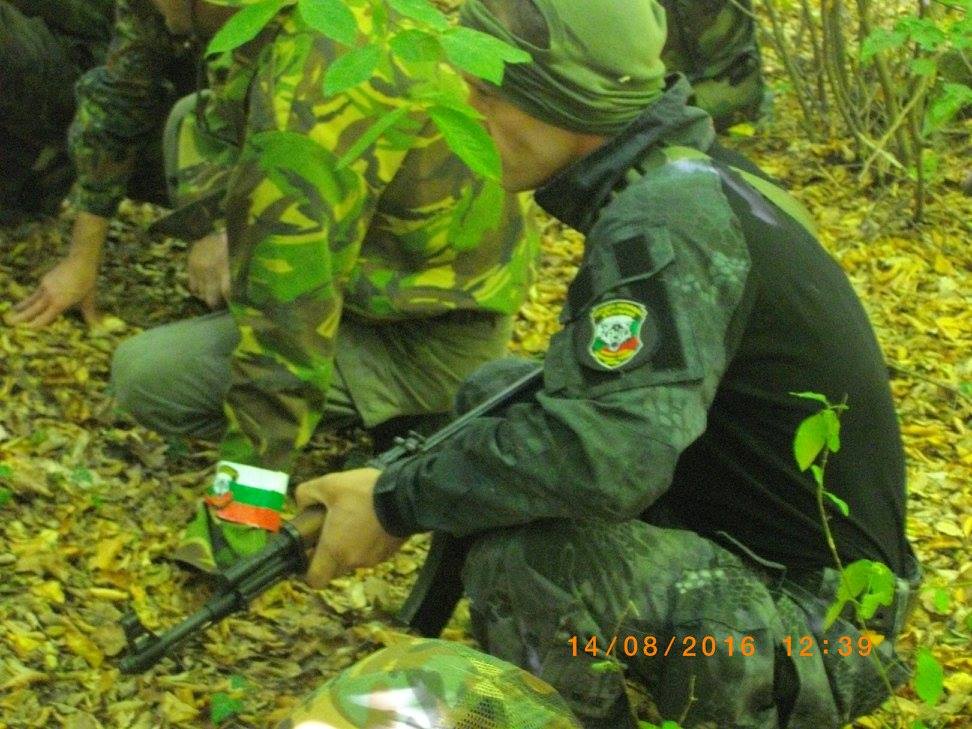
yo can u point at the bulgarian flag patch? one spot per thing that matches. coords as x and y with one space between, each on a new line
248 495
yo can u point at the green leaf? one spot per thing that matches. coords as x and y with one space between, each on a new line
923 66
839 502
469 140
422 11
5 496
810 439
942 600
868 584
880 588
480 54
244 26
223 706
880 40
929 677
478 211
922 31
812 396
81 477
416 46
818 474
351 69
5 470
832 422
605 667
371 135
949 102
330 17
237 682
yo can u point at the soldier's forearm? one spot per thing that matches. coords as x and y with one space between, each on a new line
88 237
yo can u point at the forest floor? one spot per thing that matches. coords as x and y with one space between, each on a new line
91 504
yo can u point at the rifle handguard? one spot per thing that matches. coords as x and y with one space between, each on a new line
285 554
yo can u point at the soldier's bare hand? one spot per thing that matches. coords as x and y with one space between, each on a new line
72 282
209 277
352 536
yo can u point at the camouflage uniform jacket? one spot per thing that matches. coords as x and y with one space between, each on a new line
404 231
122 104
685 329
84 24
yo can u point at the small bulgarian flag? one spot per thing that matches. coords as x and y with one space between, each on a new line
248 495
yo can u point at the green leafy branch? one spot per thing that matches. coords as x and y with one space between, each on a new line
816 438
379 35
865 584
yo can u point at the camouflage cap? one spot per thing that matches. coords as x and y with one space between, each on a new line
432 683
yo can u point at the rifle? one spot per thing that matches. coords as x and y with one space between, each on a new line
428 607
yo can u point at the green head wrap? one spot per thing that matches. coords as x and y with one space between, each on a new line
600 69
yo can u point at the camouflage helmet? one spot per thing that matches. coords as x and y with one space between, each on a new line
436 684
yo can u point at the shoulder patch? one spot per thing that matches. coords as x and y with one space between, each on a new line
620 332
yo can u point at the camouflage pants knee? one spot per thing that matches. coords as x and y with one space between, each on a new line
694 628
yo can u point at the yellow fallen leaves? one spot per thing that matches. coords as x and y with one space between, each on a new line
177 710
82 645
19 676
24 644
50 591
108 593
106 552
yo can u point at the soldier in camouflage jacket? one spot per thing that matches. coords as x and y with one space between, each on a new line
45 45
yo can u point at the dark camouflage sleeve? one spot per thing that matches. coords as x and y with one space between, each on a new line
601 439
121 104
90 19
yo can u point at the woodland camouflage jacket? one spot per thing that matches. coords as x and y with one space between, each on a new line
404 231
85 24
123 103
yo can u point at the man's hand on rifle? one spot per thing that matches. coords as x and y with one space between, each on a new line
352 536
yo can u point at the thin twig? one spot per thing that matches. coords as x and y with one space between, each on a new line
930 380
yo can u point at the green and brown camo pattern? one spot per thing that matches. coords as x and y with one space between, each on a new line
85 22
433 683
123 103
713 42
404 231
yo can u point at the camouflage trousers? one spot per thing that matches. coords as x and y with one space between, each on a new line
173 378
707 638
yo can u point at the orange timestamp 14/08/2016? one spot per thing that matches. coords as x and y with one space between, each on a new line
694 646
